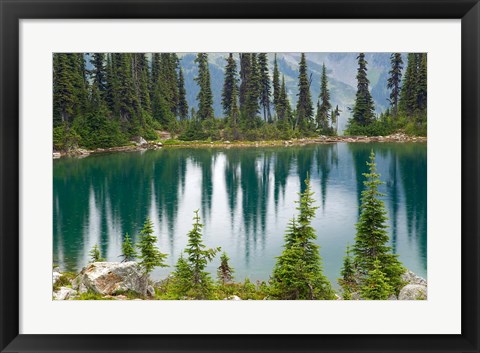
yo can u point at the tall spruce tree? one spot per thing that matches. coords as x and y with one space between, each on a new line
142 80
205 96
169 81
298 271
304 103
150 255
128 106
408 97
111 84
230 84
324 106
363 109
371 240
265 86
98 73
276 84
421 83
182 97
245 74
234 116
64 98
394 80
252 105
284 110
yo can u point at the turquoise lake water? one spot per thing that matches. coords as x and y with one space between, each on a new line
245 197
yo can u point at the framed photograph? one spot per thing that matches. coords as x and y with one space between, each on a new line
234 176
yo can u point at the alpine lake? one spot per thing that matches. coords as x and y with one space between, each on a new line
245 197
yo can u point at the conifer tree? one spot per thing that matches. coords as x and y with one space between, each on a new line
96 128
371 240
253 93
225 271
229 85
98 73
169 82
324 105
376 285
164 91
155 71
142 80
150 256
128 249
347 281
265 86
408 98
234 110
182 279
111 84
64 98
335 114
304 103
284 110
298 272
421 83
199 284
394 80
205 96
70 87
127 99
245 74
276 84
95 255
363 110
182 97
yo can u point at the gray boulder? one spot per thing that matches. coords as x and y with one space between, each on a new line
139 141
411 278
64 293
110 278
413 292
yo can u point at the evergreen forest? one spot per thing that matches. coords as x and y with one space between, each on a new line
103 100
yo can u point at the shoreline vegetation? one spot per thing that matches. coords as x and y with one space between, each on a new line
122 97
370 271
142 145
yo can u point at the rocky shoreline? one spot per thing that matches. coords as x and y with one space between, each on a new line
142 145
126 281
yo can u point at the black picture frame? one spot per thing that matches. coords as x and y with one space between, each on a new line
13 10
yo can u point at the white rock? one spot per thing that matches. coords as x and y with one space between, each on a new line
56 155
232 297
56 275
64 293
109 278
413 292
150 291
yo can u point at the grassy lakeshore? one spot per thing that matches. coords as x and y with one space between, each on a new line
156 144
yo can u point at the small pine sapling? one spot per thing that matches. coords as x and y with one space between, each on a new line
128 249
95 255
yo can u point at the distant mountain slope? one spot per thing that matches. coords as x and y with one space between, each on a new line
341 70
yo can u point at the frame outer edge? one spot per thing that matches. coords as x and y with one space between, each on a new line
9 172
9 176
470 174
